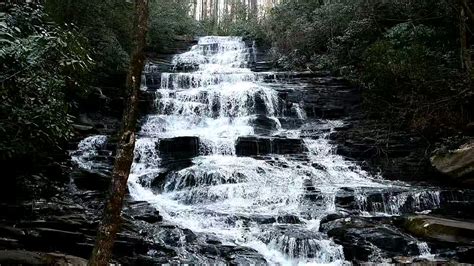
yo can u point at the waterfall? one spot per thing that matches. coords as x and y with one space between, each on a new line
216 157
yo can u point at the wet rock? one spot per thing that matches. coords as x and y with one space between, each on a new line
64 239
92 179
260 104
346 199
213 240
263 125
97 123
382 148
10 243
312 193
143 211
332 217
466 255
235 255
363 240
288 146
330 101
441 229
146 103
403 260
318 166
388 200
458 164
291 123
179 147
248 146
20 257
152 218
252 146
130 244
84 129
238 255
174 236
63 222
298 242
289 219
456 204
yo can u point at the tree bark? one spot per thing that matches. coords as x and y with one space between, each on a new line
111 219
204 9
465 51
195 15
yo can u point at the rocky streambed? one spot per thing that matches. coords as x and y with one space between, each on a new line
242 165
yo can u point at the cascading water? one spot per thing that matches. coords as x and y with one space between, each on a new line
272 202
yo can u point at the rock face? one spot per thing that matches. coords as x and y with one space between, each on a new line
253 146
458 163
20 257
381 148
364 240
179 148
441 229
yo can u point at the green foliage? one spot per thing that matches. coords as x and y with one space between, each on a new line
40 64
249 28
301 30
169 18
405 54
404 57
106 25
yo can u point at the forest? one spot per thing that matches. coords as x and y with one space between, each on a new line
279 132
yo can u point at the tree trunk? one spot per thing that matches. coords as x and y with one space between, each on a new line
465 51
195 15
111 219
254 8
204 9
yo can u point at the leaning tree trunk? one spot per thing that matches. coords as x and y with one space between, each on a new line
111 220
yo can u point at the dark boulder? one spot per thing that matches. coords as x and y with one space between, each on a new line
179 147
263 125
466 255
289 219
405 156
287 146
361 239
174 236
440 229
143 211
253 146
248 146
457 164
260 105
91 179
21 257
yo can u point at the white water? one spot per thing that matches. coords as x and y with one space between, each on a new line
224 195
87 149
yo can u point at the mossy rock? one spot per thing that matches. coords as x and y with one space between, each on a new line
441 229
458 164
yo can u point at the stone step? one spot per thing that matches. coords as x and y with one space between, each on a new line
179 148
254 146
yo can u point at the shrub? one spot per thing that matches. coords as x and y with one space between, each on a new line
169 18
41 63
